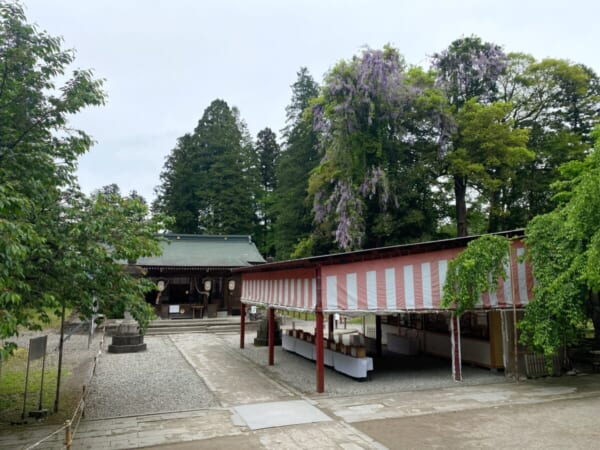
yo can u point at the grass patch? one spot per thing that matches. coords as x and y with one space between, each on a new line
355 320
12 386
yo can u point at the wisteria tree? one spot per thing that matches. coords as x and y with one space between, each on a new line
485 142
370 158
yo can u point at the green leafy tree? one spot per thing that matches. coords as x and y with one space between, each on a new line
563 246
208 181
467 71
47 227
488 152
557 102
298 158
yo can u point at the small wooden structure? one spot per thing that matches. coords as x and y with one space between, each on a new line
401 286
194 276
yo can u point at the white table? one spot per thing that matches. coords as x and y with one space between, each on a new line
355 367
288 343
349 365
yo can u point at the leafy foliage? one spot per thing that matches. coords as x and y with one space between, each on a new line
298 158
489 151
57 247
564 249
474 271
555 100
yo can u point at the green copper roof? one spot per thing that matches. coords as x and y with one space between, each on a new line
190 250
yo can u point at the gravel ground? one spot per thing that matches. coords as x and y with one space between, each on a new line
157 380
393 373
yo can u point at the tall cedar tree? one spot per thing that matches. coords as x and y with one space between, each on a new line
267 153
297 160
207 184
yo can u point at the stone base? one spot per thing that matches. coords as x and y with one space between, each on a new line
127 344
263 342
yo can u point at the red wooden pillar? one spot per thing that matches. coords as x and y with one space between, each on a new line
319 336
242 325
378 340
455 340
271 328
320 352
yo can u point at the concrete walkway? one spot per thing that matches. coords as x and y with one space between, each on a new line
257 412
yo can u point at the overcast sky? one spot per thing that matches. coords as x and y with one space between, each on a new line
165 61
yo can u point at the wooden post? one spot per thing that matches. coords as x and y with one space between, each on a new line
455 340
271 329
330 326
60 355
319 335
243 325
68 435
378 340
320 353
514 278
83 397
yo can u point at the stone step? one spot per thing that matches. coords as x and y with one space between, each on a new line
199 328
194 322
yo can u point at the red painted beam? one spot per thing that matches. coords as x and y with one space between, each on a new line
271 327
243 325
320 363
320 353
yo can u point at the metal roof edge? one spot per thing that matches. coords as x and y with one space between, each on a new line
208 237
373 253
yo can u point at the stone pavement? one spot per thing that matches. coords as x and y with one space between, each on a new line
352 422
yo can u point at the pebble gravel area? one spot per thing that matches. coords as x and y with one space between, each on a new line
157 380
393 373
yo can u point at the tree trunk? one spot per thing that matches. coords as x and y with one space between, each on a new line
494 214
460 194
595 306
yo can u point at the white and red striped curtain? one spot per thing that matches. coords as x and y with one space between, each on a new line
404 283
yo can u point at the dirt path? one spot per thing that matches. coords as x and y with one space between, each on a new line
559 424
